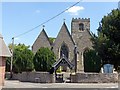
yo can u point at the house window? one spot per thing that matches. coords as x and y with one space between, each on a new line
81 26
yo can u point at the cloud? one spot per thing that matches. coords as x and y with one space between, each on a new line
37 11
16 38
75 10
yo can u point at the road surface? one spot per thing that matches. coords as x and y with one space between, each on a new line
16 84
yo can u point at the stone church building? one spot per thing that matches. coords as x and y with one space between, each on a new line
69 44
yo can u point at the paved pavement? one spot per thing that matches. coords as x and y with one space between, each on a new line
17 84
0 87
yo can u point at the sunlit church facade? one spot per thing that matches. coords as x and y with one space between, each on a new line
70 44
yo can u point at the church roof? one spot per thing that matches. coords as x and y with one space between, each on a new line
63 61
65 30
43 31
4 51
44 34
64 25
41 41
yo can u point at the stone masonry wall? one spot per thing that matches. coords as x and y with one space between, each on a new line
94 78
81 39
64 37
38 77
41 41
45 77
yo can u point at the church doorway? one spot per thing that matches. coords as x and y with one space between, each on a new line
64 51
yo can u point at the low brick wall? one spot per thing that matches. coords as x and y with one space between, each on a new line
39 77
94 78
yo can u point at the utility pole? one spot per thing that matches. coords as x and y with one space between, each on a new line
11 63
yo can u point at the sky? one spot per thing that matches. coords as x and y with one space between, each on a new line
19 17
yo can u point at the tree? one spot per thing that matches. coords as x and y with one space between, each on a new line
22 59
111 29
43 59
107 43
92 61
51 40
7 68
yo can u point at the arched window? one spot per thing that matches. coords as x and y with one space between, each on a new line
64 50
81 26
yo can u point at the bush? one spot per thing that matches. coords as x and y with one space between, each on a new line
43 59
22 59
92 62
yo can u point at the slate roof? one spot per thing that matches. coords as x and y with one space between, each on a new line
42 33
4 51
58 62
64 25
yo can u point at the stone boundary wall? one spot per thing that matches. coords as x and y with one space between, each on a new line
38 77
94 78
45 77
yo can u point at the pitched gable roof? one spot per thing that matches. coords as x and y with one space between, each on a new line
64 30
63 61
4 51
41 41
43 32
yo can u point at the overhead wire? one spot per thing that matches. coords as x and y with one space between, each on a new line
34 29
46 20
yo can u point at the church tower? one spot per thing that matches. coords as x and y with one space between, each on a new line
80 31
78 27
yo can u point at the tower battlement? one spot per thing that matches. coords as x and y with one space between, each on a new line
80 19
